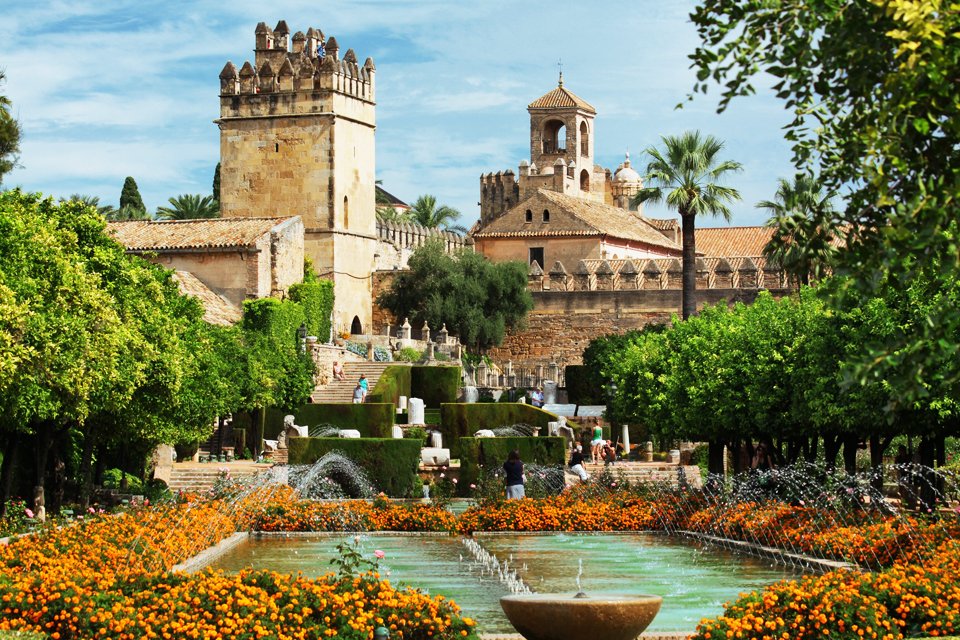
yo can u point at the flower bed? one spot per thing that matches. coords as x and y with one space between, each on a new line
108 577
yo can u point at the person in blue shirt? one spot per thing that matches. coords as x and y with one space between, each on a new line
363 385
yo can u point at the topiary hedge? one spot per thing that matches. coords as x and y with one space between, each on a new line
316 298
393 383
459 420
372 420
391 464
478 454
435 385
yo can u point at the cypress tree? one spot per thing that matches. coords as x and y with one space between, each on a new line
216 183
130 196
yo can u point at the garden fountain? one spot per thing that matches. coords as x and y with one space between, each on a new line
559 616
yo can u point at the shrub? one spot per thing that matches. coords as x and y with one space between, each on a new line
435 385
112 478
390 463
458 420
371 419
485 454
393 383
408 354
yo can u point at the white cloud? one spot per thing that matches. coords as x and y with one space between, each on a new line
106 90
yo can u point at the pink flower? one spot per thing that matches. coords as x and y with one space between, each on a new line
473 486
453 480
379 554
28 512
443 475
91 510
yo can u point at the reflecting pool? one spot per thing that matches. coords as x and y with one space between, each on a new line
694 580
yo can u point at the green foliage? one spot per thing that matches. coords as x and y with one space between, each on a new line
393 383
190 207
477 299
9 135
584 385
371 419
408 354
351 561
130 196
435 385
107 211
416 433
803 239
459 420
485 454
875 114
427 213
216 183
278 373
315 296
686 177
113 477
391 464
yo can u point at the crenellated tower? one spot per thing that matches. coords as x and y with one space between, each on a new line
297 138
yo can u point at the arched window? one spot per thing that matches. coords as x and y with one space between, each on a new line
528 217
356 328
584 180
346 212
546 216
584 139
554 137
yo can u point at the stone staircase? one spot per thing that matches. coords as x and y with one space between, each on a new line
199 477
648 472
342 390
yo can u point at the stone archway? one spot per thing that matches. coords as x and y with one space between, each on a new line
356 328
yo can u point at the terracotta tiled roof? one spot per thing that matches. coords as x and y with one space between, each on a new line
731 242
571 216
663 223
210 233
217 309
559 98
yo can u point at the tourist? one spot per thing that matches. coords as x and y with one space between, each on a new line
337 370
576 463
514 470
363 385
536 397
762 459
357 394
609 453
596 444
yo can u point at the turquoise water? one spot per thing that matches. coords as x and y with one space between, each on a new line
694 581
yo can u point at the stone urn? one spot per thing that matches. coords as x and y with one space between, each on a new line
568 616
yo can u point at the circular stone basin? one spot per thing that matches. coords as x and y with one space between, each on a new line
563 616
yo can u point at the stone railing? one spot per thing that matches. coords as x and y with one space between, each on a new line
509 376
657 273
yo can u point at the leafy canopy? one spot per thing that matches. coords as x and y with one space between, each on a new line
477 299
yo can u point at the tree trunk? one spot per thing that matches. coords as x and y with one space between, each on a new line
44 439
689 293
928 481
831 447
86 468
715 458
10 455
812 446
877 446
850 444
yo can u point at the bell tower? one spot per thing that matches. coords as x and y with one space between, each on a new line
561 128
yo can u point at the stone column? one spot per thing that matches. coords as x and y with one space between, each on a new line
416 415
425 333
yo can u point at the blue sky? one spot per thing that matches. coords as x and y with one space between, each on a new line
116 88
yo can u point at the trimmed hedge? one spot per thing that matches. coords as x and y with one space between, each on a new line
435 385
393 383
583 385
372 420
391 464
460 420
477 454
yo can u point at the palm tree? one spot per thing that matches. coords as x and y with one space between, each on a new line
425 212
106 210
190 207
804 230
684 176
390 214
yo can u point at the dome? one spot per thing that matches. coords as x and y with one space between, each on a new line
626 173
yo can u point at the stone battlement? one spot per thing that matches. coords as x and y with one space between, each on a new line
294 81
659 273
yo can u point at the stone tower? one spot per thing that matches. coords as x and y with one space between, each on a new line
297 138
561 129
